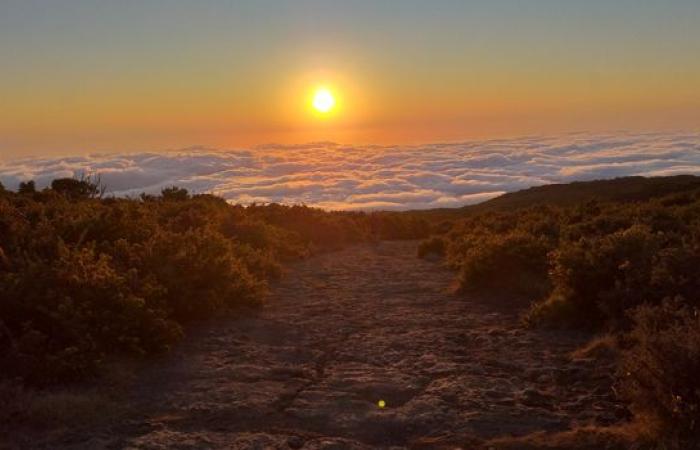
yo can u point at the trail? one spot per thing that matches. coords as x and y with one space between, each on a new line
339 333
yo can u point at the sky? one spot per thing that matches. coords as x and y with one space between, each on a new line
124 76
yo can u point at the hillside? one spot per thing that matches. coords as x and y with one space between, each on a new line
626 189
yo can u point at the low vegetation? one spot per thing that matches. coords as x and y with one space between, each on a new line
625 267
85 278
660 370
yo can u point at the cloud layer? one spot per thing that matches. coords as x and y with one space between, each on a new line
376 177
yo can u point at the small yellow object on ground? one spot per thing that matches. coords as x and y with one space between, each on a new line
381 403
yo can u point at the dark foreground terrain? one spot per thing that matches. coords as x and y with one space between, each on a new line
341 332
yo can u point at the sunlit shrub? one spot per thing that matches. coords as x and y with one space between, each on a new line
597 280
200 272
675 271
85 278
601 278
63 315
514 263
261 236
606 266
660 370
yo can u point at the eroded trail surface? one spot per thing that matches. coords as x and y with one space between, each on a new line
345 330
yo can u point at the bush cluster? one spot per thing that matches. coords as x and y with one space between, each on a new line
436 246
629 268
503 252
660 370
587 265
84 277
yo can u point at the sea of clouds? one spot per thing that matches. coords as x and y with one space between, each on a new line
338 176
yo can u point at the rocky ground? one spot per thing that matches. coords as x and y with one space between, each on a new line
342 332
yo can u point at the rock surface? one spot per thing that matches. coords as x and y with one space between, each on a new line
339 333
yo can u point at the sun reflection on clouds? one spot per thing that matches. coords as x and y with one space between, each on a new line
376 177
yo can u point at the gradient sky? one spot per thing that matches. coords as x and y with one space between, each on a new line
82 76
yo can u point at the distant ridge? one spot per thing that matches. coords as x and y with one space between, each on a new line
624 189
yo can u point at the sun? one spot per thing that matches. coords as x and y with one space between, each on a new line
323 101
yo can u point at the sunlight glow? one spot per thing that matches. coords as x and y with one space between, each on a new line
323 101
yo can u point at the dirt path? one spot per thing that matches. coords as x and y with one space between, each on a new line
342 332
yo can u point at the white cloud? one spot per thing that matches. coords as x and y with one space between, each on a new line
371 177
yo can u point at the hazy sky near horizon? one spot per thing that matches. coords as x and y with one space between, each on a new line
80 76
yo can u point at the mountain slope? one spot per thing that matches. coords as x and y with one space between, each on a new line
627 189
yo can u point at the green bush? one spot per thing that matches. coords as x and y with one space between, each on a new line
598 279
200 272
84 278
515 263
660 371
62 315
606 266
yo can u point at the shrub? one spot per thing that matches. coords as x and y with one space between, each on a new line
594 264
596 280
27 187
77 189
675 271
435 246
174 194
661 368
63 315
84 278
514 263
200 272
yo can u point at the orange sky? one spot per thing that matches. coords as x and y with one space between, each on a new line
84 78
